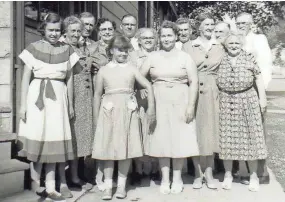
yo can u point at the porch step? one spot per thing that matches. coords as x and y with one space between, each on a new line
12 173
26 196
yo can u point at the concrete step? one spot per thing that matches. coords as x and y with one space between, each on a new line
6 142
12 173
25 196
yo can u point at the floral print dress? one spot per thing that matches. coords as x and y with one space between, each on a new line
241 129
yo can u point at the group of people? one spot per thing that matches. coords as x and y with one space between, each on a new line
143 96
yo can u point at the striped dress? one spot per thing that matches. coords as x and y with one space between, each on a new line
45 136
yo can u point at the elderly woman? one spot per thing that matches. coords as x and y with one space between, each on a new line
207 53
106 30
241 128
174 77
147 40
81 124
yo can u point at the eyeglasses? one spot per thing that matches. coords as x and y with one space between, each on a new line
147 38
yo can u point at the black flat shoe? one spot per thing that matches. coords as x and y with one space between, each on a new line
155 176
77 185
264 179
136 178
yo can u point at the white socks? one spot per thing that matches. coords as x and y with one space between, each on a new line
50 186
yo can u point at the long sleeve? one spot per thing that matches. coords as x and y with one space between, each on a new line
264 58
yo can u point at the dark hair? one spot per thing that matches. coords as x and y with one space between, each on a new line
71 20
49 18
168 24
129 15
86 15
118 41
103 20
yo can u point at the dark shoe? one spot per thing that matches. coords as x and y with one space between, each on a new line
65 192
155 176
77 185
136 178
41 191
264 179
55 196
244 180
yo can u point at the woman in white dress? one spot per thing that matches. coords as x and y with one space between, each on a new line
174 77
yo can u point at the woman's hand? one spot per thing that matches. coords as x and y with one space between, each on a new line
71 112
151 117
143 93
263 105
22 113
189 114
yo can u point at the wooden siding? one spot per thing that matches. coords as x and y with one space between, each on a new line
115 10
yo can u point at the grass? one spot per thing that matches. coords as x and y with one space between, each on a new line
275 129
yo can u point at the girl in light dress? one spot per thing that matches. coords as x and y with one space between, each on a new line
46 105
117 135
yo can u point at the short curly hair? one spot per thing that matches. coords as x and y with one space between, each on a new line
71 20
103 20
143 29
168 24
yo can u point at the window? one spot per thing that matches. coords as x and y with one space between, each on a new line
35 11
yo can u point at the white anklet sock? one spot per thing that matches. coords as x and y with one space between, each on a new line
50 186
108 183
122 182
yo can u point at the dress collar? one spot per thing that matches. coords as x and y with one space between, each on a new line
198 42
113 64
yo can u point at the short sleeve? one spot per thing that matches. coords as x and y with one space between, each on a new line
27 57
73 57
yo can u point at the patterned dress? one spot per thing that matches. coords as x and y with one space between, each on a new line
46 136
207 60
241 129
118 134
172 137
82 123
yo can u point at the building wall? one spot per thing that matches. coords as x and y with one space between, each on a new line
115 10
6 69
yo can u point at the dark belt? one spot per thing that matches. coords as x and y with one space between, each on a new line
49 91
235 92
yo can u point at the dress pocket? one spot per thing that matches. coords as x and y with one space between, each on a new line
132 104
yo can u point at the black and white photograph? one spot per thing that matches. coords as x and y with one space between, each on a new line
142 101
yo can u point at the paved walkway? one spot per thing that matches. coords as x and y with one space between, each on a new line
149 192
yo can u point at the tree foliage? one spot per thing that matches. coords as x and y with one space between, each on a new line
267 15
